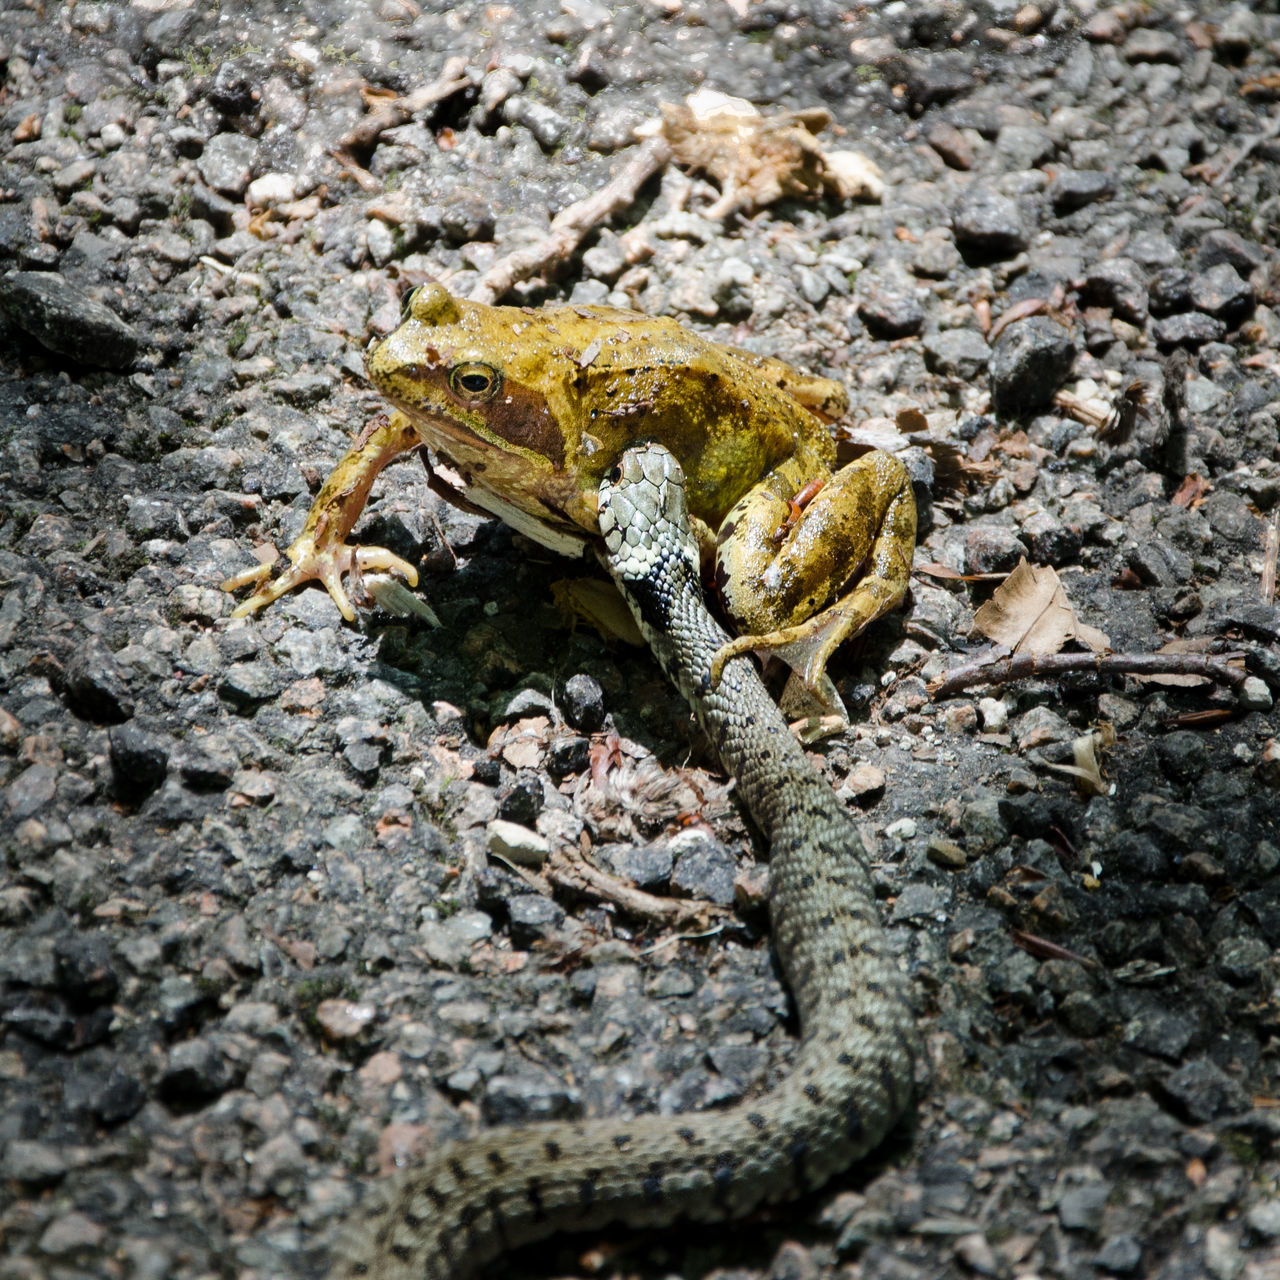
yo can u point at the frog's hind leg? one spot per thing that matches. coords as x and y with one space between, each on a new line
842 562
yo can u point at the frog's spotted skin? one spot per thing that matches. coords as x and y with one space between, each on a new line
852 1076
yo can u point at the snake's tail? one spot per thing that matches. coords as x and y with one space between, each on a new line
474 1200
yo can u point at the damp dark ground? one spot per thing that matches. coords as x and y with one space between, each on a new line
254 941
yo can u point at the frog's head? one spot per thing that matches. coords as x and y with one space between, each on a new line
462 373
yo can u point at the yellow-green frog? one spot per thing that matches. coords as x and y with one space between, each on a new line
532 407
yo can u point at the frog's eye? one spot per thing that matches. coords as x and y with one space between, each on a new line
474 381
406 303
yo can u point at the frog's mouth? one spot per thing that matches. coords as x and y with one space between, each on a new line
476 474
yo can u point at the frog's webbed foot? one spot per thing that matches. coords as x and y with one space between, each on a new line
805 648
315 563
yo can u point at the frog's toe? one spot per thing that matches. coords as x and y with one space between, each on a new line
380 560
246 577
266 592
271 591
805 648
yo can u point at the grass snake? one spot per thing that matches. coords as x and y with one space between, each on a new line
852 1076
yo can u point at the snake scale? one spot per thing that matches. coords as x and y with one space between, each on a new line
852 1076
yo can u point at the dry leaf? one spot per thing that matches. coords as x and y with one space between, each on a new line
1124 415
1030 613
1087 771
1019 311
758 159
1191 490
1182 644
942 571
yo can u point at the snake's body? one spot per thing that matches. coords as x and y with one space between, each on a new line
472 1200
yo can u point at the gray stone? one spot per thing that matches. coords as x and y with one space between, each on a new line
1222 246
1024 146
545 123
64 319
957 353
1072 189
518 1099
1203 1091
72 1233
1121 1255
1151 44
33 1164
704 868
533 917
887 304
1219 291
988 223
981 822
1189 329
226 163
279 1167
1082 1208
1049 541
568 755
1118 283
1028 364
1163 1035
1264 1219
31 790
95 687
195 1072
992 549
1169 290
85 973
648 866
583 702
1157 562
245 684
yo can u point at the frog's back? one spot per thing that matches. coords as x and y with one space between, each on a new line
730 417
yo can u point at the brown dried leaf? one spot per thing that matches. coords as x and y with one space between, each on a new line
1030 613
1182 644
1191 490
1087 771
1019 311
943 571
757 159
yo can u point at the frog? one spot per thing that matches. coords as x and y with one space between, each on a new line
530 407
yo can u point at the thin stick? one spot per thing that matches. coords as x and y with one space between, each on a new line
390 115
1026 666
568 869
1269 560
1269 131
571 226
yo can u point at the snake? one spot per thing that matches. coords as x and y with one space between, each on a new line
852 1076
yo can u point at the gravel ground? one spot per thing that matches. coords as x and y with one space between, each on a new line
255 947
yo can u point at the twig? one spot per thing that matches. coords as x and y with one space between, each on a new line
1269 560
1269 131
570 226
672 939
568 869
366 132
1026 666
1043 949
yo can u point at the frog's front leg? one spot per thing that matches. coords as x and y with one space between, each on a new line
320 552
800 574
